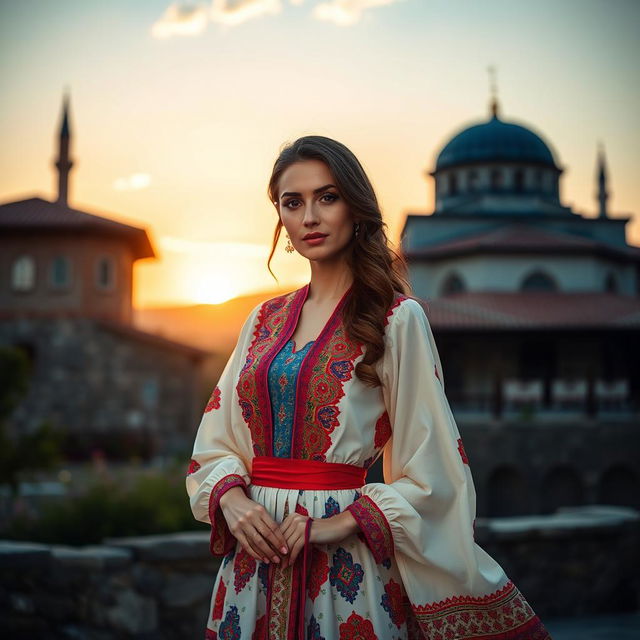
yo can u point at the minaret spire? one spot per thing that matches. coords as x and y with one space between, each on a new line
493 90
603 194
64 163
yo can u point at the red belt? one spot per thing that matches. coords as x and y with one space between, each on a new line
291 473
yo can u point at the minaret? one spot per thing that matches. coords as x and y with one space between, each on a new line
603 194
64 163
494 91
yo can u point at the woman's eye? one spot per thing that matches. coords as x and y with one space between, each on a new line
332 198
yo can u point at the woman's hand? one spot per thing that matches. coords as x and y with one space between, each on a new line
252 525
333 529
323 531
293 528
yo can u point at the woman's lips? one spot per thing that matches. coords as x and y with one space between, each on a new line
316 240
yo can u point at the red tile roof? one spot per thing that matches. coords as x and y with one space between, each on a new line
520 237
533 310
37 214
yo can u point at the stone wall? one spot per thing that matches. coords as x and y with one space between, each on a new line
576 561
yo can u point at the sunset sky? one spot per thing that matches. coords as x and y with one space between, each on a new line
178 111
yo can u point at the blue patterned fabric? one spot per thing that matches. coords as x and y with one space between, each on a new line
283 375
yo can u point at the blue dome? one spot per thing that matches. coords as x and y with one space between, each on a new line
495 140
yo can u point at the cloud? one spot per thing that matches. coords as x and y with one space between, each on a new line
180 20
134 182
232 12
344 13
192 19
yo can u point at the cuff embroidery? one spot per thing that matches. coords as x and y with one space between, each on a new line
222 540
374 526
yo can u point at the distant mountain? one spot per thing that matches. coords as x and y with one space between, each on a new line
214 327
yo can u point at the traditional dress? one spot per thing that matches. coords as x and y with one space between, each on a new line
281 420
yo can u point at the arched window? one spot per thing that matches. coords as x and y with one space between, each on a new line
105 273
538 281
610 283
23 273
496 179
472 180
61 272
518 181
453 184
453 283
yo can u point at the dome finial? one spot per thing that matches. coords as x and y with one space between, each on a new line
494 90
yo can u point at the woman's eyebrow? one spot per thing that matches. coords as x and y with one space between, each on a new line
318 190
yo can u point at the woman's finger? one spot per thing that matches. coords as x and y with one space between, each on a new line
248 547
274 535
297 546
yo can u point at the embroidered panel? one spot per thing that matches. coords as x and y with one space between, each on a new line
251 388
283 376
222 541
374 526
328 365
501 615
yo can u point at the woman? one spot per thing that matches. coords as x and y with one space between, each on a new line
322 381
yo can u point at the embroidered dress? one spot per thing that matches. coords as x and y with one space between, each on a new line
413 571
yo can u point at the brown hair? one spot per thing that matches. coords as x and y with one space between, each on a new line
379 273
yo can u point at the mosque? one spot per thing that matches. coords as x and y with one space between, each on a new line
536 312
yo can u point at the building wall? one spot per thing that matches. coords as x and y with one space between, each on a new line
82 296
93 379
506 273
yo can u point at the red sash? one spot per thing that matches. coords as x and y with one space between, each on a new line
292 473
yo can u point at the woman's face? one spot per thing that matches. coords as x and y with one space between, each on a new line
309 203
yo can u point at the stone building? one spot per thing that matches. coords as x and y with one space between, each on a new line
536 310
66 281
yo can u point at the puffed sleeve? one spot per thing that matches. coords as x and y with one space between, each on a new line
217 461
426 478
424 513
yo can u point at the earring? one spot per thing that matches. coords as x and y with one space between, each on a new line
357 228
289 248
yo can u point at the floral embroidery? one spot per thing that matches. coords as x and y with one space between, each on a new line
374 526
319 571
331 508
322 376
230 628
345 574
222 540
383 431
218 606
252 388
193 467
392 602
243 568
313 629
214 400
357 628
503 614
463 454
